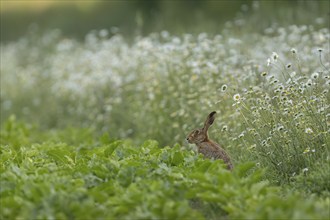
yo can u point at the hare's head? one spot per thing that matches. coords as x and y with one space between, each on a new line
200 135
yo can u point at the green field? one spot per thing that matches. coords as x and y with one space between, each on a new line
96 128
85 177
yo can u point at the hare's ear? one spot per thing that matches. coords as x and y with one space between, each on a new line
209 121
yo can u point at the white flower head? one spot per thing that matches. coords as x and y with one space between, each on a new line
309 83
224 88
274 57
288 66
237 97
309 131
293 50
315 75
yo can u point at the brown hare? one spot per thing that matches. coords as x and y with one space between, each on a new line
207 147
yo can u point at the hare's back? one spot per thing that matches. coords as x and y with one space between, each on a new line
221 154
214 151
208 149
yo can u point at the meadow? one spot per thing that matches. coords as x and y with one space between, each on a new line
96 129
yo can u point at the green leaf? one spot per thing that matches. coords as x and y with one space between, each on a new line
59 155
105 139
259 188
203 166
151 144
111 148
177 158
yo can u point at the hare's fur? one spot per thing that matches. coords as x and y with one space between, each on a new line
207 147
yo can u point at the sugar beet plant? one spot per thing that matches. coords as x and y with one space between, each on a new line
98 178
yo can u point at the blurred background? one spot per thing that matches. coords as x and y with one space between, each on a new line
97 64
131 17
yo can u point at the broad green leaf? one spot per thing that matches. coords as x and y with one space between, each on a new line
111 148
59 155
177 158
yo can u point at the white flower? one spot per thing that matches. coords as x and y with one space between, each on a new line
315 75
305 170
274 81
293 50
237 97
274 56
309 83
224 88
308 131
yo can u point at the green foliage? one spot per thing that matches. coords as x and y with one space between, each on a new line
14 133
315 181
56 180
